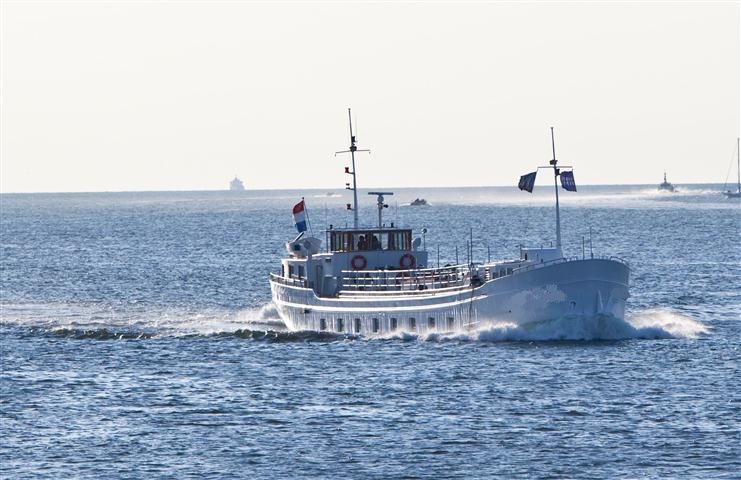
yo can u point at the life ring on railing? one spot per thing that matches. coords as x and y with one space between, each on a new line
407 261
358 262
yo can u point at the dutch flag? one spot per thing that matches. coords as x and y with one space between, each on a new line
299 216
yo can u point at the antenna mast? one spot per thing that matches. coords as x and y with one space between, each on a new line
353 149
554 162
381 205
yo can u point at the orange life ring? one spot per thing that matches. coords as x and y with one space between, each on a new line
407 261
358 262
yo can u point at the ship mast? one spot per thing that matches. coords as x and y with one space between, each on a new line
353 149
554 162
556 172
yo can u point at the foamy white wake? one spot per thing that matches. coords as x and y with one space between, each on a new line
132 321
147 320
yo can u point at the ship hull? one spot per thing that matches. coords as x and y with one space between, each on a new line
533 294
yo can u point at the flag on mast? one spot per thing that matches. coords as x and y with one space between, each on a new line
527 182
567 181
299 216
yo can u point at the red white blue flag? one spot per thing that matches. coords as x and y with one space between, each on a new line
299 216
567 181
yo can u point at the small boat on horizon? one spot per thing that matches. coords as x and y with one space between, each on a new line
418 201
378 280
666 186
728 192
236 185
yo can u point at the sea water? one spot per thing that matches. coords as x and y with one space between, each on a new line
137 340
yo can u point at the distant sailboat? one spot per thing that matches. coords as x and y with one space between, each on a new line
666 186
236 185
737 194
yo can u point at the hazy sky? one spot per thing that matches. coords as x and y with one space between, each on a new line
134 95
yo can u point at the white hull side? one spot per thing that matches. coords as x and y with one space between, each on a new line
577 287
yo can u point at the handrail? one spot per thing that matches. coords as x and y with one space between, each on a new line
408 279
295 282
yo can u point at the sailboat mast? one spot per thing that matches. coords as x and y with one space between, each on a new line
554 162
738 164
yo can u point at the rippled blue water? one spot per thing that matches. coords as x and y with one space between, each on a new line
137 340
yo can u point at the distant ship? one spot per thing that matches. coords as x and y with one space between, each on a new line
236 185
737 194
666 186
418 201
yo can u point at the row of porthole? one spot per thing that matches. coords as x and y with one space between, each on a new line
393 324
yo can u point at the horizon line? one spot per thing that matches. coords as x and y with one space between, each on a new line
247 189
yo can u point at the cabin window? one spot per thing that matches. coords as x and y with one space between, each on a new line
400 240
342 242
339 325
290 270
322 324
360 241
393 324
413 323
300 271
357 325
431 322
451 322
375 325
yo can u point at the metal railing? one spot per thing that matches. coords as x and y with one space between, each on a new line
381 281
293 282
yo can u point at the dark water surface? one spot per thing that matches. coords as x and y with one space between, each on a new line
137 340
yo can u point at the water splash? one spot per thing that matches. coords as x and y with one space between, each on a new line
646 326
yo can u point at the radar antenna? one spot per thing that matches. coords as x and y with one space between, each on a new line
381 205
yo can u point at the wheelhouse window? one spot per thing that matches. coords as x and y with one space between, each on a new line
343 241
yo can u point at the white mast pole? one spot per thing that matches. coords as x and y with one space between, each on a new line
354 180
555 184
353 149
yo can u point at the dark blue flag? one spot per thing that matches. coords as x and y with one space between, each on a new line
567 181
527 182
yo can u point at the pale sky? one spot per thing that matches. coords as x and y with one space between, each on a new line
134 95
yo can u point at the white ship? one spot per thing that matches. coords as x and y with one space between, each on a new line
376 281
665 186
236 185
